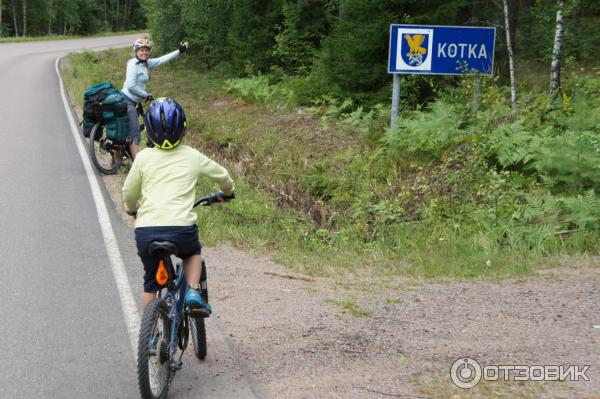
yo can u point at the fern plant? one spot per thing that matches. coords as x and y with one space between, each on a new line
426 133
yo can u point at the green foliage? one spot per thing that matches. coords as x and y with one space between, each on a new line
425 133
572 161
258 89
488 184
165 22
354 54
70 17
251 35
304 25
511 145
206 28
582 33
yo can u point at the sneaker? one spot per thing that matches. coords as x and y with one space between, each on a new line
196 303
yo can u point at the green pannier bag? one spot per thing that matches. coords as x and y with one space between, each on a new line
117 129
117 122
102 103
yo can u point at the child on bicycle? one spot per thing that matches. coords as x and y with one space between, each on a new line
134 88
160 188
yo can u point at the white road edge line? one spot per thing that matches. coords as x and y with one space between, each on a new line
130 311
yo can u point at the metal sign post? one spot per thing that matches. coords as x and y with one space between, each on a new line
476 90
395 101
439 50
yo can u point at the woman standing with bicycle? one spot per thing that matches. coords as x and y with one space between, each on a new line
136 79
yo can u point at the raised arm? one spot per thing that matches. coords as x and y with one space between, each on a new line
154 62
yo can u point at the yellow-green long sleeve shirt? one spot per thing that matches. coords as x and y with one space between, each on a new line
161 185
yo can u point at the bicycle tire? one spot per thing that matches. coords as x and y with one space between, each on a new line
152 350
198 330
102 151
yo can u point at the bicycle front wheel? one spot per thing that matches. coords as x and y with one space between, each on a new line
154 370
106 156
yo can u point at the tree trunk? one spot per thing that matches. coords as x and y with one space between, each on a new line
117 16
125 14
526 28
464 14
24 17
511 62
14 14
341 13
129 14
558 38
50 11
0 18
578 14
105 15
513 11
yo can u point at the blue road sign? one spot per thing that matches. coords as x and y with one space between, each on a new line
441 50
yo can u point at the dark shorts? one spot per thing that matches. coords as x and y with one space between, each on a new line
184 237
134 134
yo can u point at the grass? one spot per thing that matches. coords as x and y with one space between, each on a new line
279 158
21 39
442 388
349 306
393 301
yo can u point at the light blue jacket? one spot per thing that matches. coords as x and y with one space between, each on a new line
136 77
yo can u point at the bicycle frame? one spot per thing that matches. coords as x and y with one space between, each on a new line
175 299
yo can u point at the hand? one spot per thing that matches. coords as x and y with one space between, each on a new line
227 198
149 97
183 46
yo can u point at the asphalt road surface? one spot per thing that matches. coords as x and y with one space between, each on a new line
63 331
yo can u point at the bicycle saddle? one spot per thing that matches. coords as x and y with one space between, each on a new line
162 248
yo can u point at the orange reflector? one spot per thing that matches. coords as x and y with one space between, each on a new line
162 276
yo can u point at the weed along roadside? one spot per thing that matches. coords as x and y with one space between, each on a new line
328 189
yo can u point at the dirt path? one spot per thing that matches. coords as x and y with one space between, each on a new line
302 337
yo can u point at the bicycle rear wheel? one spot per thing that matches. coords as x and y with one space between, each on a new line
154 371
198 331
106 156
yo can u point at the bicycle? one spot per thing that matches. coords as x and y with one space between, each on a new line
166 323
108 156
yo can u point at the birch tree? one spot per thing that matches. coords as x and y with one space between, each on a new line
558 39
511 63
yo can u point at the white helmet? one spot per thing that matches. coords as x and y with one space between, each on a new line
139 43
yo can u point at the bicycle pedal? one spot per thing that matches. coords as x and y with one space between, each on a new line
198 313
176 366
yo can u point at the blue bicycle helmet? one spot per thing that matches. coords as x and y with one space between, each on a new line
165 123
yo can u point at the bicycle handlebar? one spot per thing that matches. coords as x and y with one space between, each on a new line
213 198
206 201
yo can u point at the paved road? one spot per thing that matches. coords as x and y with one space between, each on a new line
63 331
